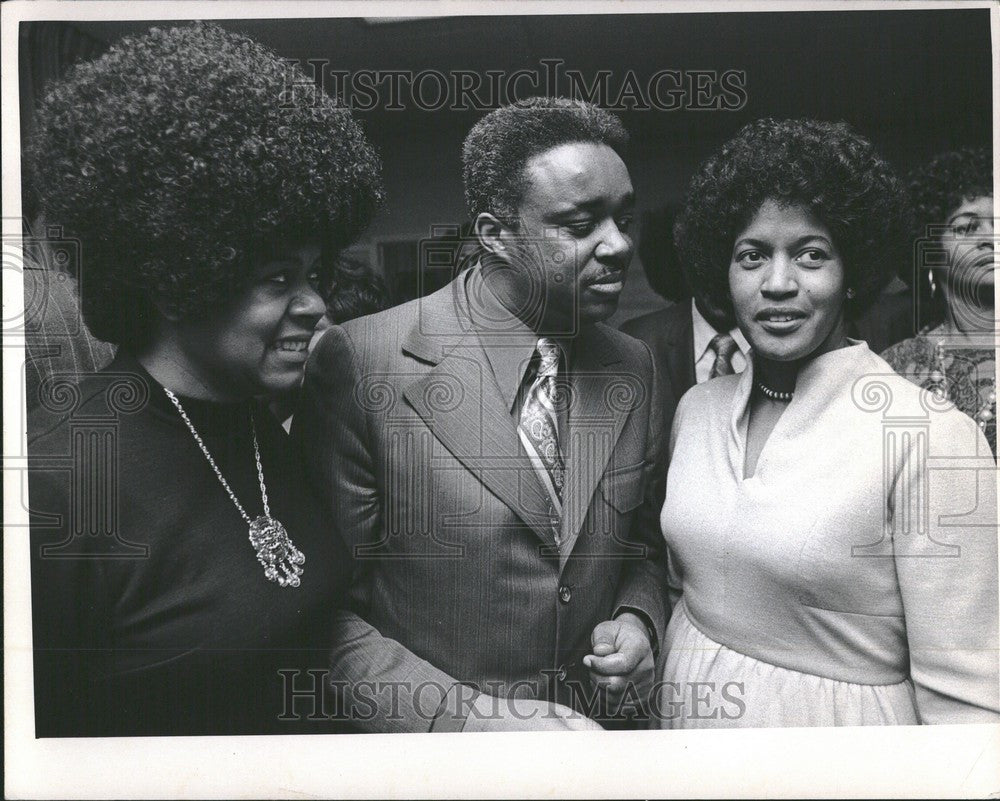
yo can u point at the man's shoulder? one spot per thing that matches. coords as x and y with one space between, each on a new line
660 323
624 345
381 324
428 315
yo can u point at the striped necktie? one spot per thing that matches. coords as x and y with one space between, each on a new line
724 347
538 428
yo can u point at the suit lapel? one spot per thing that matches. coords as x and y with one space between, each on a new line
461 403
598 411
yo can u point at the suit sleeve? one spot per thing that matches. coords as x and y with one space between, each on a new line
643 589
947 573
382 685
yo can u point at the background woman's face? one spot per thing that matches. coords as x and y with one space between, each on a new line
787 284
258 343
970 242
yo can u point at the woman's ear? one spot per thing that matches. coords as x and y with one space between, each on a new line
491 234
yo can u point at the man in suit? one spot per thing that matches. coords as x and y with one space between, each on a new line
690 343
484 450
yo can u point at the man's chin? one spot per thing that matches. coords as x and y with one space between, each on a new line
599 312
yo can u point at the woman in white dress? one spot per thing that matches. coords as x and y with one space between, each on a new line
832 527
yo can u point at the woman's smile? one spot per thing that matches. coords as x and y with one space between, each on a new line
787 284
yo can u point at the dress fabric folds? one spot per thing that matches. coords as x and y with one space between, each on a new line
852 579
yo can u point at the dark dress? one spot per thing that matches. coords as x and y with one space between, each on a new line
151 613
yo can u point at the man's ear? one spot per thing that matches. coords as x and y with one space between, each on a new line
492 234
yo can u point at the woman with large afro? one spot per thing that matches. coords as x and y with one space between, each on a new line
183 576
831 528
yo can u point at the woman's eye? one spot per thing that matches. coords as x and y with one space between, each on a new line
812 257
750 258
965 228
314 279
278 279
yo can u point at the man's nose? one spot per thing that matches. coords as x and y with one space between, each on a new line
615 244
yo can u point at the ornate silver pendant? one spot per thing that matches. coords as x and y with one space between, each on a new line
282 561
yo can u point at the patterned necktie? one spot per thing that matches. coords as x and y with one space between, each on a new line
724 347
538 429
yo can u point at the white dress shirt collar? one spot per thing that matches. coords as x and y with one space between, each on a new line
704 356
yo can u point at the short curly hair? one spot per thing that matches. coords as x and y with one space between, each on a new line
178 158
499 146
826 167
356 291
945 182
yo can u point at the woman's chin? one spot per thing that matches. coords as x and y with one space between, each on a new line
279 381
781 349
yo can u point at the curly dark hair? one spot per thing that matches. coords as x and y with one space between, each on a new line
179 158
937 189
825 166
356 292
499 146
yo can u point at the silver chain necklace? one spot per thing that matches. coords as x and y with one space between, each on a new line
281 560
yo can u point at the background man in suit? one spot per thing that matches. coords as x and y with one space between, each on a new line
484 450
691 341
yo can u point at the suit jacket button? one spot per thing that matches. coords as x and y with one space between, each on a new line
565 593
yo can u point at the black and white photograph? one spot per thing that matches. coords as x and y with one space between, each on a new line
567 376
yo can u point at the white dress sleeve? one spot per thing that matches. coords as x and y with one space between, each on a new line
943 518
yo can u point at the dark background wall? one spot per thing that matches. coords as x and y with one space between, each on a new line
915 82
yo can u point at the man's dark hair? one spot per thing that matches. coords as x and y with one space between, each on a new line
500 145
181 157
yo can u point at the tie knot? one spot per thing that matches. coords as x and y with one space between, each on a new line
548 352
723 345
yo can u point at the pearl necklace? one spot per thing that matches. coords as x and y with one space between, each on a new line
773 394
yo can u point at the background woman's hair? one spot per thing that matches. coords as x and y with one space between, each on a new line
355 291
182 156
937 189
826 167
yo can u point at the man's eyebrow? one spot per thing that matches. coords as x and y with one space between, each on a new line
597 203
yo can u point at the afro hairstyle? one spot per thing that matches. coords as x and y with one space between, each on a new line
178 159
826 167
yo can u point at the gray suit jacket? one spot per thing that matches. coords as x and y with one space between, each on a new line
669 335
458 578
